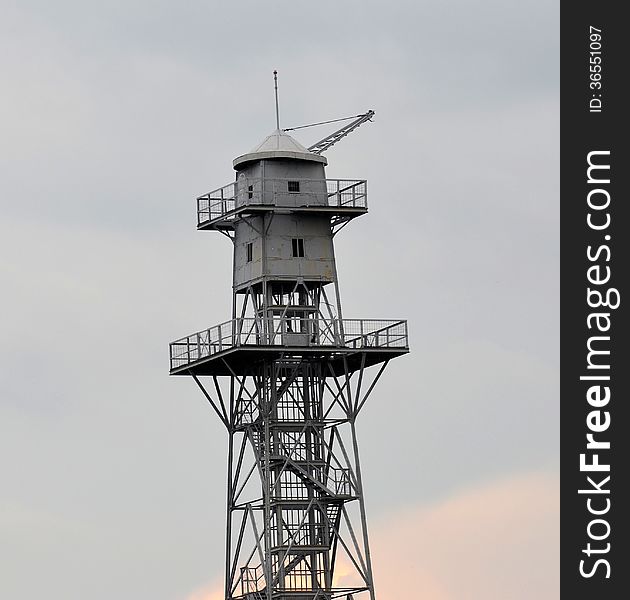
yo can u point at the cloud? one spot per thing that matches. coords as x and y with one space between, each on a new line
498 541
209 592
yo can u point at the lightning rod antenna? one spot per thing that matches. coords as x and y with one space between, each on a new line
275 84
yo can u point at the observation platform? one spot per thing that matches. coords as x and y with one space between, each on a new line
235 346
342 199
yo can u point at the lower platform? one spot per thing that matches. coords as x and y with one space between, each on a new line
237 346
240 361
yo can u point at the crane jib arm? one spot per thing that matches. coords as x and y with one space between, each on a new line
328 141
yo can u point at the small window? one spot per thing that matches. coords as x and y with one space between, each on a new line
294 186
250 252
298 247
250 191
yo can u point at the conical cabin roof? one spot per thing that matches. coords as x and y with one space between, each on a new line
278 144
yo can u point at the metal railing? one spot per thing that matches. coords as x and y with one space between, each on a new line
223 202
288 332
338 481
252 579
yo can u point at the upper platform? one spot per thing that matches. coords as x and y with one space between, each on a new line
341 198
233 347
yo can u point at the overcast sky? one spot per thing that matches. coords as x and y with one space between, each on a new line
114 116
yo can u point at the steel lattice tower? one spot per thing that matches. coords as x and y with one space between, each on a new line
288 376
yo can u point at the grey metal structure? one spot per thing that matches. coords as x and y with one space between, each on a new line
287 375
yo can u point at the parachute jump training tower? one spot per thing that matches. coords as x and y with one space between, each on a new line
287 375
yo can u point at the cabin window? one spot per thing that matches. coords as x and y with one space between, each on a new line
298 247
294 186
250 191
250 252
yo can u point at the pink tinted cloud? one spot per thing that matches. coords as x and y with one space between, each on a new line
498 541
209 592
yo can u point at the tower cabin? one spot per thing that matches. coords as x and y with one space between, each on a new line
288 248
